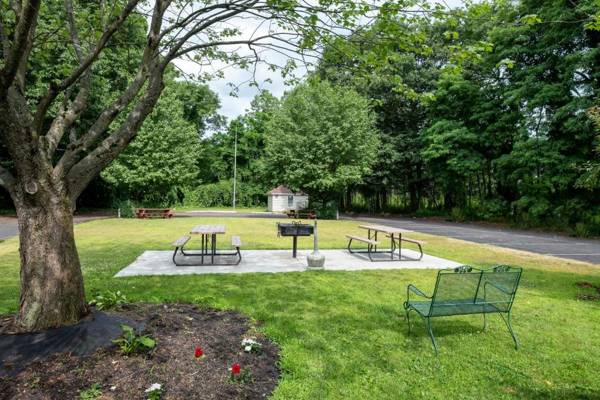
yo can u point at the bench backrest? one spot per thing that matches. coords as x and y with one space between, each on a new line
464 286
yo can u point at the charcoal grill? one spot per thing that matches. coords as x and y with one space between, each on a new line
294 230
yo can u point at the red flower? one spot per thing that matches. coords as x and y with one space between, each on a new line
198 352
236 369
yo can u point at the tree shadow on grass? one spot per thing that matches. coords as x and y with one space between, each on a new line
549 393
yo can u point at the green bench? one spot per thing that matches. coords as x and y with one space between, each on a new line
466 290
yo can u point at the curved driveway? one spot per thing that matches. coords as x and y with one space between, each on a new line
9 226
587 250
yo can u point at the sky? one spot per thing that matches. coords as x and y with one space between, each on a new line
232 106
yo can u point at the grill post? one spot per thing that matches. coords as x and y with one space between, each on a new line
295 246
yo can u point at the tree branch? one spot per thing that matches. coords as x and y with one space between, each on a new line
15 57
199 27
66 117
4 39
149 64
88 167
55 89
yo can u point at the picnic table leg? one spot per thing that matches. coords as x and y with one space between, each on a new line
213 248
294 246
202 248
392 245
375 240
400 246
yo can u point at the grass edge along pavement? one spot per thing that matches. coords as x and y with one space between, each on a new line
344 334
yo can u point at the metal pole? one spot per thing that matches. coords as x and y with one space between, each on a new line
234 166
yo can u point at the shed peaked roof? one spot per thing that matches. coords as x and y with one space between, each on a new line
281 189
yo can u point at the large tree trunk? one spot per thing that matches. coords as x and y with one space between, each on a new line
52 292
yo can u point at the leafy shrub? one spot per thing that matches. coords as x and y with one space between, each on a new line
327 210
109 300
491 209
92 393
126 206
131 343
457 214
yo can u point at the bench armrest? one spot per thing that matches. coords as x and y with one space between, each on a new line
415 290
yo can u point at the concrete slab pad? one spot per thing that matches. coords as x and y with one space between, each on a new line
274 261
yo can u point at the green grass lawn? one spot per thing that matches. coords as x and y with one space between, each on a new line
343 334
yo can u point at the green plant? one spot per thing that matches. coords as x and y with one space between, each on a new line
126 207
239 374
154 392
92 393
329 210
109 300
251 346
131 343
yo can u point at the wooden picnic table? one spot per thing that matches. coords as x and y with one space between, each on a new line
143 212
388 230
395 235
206 232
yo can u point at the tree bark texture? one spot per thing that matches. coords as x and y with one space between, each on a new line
52 291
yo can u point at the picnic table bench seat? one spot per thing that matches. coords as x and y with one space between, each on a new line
236 242
395 236
363 239
178 245
371 244
467 290
419 244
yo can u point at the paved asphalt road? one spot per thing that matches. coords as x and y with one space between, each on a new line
9 226
543 243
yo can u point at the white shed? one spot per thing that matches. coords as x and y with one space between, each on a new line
282 199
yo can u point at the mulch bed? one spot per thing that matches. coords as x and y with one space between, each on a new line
178 329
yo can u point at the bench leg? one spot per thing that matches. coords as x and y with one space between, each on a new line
510 329
484 322
420 251
428 320
350 244
239 254
175 254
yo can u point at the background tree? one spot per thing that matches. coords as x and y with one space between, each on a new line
321 140
161 161
397 86
590 179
